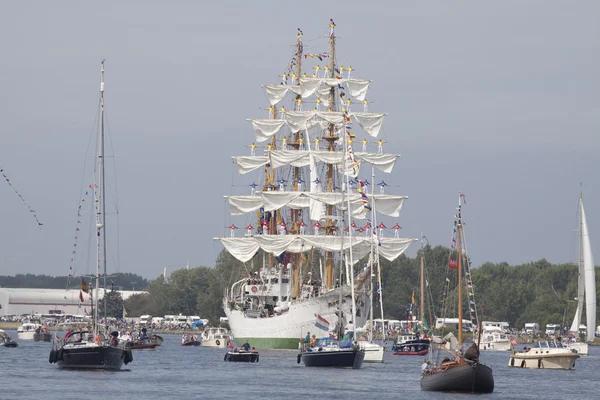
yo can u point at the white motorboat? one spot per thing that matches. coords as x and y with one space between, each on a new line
216 337
495 340
547 355
27 330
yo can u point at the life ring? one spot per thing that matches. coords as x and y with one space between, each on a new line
254 289
218 342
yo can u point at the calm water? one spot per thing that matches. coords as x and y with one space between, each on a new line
173 371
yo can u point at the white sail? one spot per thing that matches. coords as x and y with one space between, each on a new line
586 288
590 277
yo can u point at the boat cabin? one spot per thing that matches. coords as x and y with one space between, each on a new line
452 323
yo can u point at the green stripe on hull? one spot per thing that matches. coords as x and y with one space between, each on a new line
270 343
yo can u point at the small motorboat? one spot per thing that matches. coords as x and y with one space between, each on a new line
6 341
190 340
411 345
42 337
241 356
191 343
142 345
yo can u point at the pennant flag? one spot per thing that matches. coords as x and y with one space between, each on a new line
452 264
84 286
412 299
80 296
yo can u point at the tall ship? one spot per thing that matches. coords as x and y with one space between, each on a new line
312 235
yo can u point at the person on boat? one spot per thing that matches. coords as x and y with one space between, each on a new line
246 346
114 341
184 338
254 350
313 341
425 367
472 353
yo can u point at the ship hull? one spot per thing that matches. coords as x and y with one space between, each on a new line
284 331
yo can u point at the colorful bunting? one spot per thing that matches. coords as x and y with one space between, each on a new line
31 210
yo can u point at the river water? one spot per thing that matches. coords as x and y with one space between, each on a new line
176 372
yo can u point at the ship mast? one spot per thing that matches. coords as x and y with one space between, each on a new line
298 257
331 138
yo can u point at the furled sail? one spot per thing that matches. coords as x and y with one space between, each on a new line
301 158
387 204
319 87
244 248
298 121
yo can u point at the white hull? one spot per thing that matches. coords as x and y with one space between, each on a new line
543 361
503 345
292 324
216 343
373 352
27 335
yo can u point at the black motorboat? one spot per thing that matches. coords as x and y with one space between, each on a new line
6 341
331 353
241 356
81 350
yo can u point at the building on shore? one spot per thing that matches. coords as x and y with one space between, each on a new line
17 301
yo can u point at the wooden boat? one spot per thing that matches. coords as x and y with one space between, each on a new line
241 356
42 337
142 345
474 377
464 373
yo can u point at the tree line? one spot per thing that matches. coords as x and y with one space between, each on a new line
533 292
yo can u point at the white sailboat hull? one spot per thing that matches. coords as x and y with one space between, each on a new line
373 352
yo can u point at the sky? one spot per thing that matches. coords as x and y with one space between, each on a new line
498 100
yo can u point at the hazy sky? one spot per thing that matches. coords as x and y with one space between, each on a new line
499 100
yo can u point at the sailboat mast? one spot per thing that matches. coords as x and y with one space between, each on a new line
422 274
101 220
459 266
